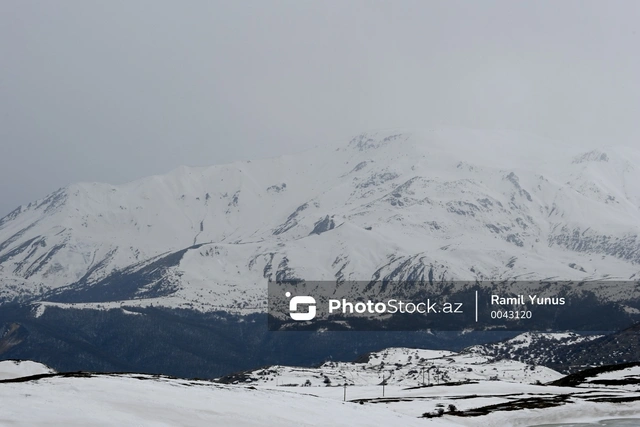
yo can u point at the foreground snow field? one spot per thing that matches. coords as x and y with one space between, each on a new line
105 400
83 399
117 400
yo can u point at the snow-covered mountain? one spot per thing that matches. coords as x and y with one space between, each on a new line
395 205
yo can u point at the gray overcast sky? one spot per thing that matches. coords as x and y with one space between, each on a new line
116 90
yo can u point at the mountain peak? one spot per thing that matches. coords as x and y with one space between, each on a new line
373 140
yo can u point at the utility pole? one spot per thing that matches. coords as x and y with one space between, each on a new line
345 392
384 381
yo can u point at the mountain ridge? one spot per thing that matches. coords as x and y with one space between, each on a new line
465 205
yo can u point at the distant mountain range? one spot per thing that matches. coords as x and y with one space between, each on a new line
464 205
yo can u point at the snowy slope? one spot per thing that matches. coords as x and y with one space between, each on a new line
537 348
401 367
22 368
461 204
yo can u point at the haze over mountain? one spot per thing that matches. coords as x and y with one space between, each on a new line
453 204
